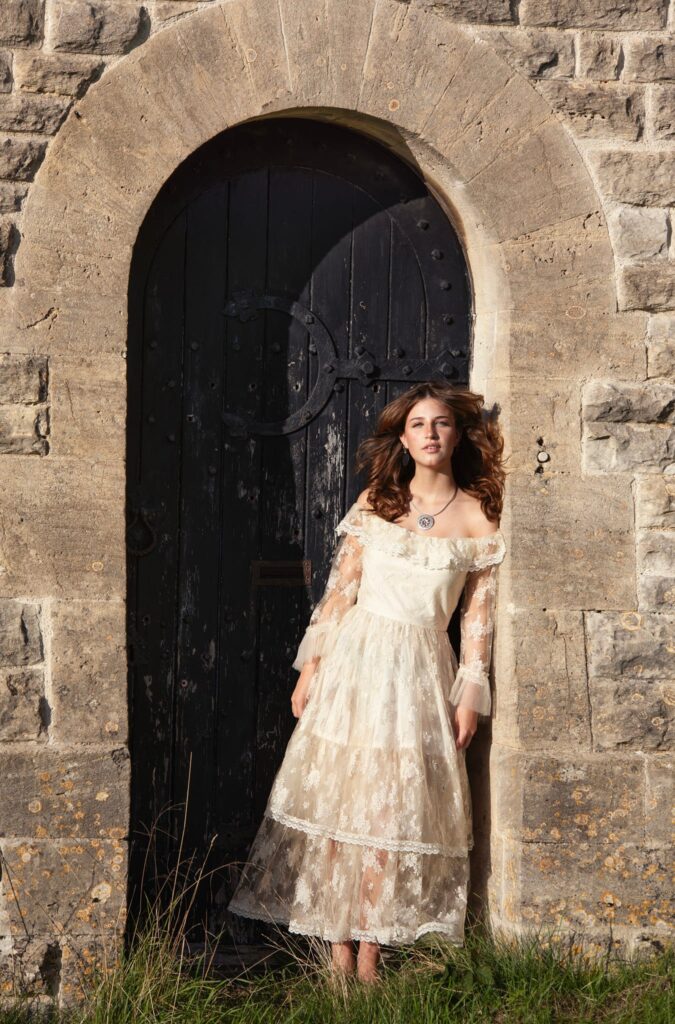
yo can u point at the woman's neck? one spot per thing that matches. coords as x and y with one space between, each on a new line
432 485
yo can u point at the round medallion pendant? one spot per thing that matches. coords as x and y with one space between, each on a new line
425 521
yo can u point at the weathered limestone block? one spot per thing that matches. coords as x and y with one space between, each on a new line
638 232
24 430
646 179
549 410
599 56
64 795
597 109
632 644
628 447
20 158
656 593
660 796
557 193
24 711
605 14
89 417
559 800
663 111
656 552
655 502
63 527
21 22
89 671
393 56
164 11
655 522
597 552
649 59
538 53
20 634
661 346
33 113
656 568
101 26
50 885
564 265
55 73
647 286
482 11
54 967
583 344
12 196
550 704
626 401
582 886
628 426
636 714
23 378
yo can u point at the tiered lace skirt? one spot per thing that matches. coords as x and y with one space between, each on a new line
368 825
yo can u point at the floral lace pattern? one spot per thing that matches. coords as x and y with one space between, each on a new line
368 824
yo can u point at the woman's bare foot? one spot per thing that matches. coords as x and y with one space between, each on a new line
368 959
344 959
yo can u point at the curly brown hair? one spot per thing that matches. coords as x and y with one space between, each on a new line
477 462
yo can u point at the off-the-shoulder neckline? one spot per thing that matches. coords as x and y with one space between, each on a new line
426 536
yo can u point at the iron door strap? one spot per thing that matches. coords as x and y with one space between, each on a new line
244 305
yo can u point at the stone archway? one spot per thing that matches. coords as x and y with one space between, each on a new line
517 192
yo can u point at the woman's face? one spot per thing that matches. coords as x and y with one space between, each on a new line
430 432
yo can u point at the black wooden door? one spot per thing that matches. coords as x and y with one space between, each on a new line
290 279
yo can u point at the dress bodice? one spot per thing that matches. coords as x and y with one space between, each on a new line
383 569
411 577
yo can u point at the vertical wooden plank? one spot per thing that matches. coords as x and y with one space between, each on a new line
158 485
284 383
200 515
236 712
369 319
330 297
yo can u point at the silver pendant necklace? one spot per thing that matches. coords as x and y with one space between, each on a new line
425 520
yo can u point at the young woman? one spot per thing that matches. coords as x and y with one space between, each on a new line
368 825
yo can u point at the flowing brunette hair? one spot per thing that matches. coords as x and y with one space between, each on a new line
477 462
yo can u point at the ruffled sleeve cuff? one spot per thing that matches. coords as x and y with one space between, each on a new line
316 641
471 689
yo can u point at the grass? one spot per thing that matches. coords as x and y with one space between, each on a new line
544 978
529 980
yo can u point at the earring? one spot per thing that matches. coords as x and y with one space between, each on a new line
406 455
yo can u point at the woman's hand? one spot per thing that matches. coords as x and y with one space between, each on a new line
300 694
464 723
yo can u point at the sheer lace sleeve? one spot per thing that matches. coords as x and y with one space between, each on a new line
471 687
343 583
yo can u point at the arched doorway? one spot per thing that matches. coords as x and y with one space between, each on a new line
289 280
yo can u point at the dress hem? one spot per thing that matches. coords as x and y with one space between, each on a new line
356 934
375 842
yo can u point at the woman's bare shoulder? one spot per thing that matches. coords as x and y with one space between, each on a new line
362 500
477 523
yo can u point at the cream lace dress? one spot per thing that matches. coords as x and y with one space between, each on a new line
368 824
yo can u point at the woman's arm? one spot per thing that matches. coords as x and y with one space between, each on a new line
340 593
471 688
344 579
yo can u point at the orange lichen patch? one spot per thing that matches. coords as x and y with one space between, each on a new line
631 620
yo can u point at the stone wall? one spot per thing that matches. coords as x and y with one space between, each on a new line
581 761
